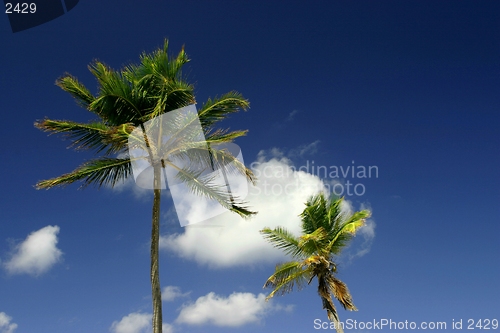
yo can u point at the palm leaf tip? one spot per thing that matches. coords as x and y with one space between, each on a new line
242 211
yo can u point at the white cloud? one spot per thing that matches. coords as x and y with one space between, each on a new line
133 323
167 328
236 310
228 240
292 115
307 149
137 322
170 293
129 185
6 326
36 254
367 232
364 238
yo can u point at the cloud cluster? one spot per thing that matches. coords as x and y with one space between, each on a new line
279 196
137 322
228 240
236 310
36 254
170 293
6 324
133 323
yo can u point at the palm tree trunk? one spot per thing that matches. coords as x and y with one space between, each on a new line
155 239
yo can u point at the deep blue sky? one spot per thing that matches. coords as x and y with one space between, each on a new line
411 87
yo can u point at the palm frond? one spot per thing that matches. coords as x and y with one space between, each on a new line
356 221
117 137
102 171
314 215
203 185
287 276
326 298
345 231
159 76
160 64
222 158
209 157
223 136
117 102
170 96
283 239
314 243
219 108
334 213
76 89
85 135
340 292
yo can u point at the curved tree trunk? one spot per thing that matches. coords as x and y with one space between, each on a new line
155 239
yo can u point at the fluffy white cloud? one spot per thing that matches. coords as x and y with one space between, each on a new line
6 324
137 322
167 328
171 292
229 240
133 323
236 310
36 254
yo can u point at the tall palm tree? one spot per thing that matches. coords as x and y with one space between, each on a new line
127 99
326 229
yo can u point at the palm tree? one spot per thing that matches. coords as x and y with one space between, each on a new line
125 101
326 229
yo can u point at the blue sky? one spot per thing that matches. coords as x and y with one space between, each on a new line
408 87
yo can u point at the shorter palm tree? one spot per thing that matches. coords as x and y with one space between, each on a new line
326 230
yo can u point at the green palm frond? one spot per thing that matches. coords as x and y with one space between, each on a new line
222 158
207 156
313 216
283 239
117 137
117 102
95 135
159 76
88 136
102 171
203 185
287 276
170 96
334 213
223 136
220 107
80 93
314 243
163 66
345 231
356 221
